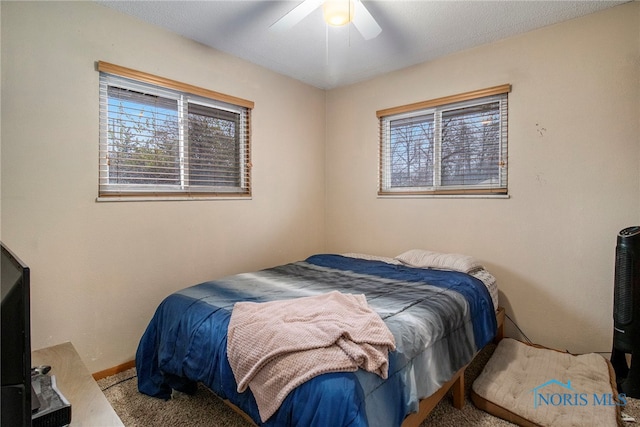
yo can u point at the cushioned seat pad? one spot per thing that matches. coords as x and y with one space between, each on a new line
535 386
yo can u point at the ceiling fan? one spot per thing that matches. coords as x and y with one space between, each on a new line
336 13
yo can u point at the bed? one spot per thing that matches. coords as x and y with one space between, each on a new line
439 319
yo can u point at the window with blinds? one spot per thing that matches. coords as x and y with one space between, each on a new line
447 146
160 138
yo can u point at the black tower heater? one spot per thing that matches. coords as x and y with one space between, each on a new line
626 312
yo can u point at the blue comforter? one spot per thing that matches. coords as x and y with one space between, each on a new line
439 320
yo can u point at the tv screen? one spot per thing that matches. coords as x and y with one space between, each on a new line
15 352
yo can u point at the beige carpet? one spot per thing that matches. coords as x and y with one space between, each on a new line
205 409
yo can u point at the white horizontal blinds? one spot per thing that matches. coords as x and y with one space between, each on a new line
411 151
471 146
217 149
156 140
452 145
142 139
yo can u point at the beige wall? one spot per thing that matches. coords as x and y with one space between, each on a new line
100 269
574 181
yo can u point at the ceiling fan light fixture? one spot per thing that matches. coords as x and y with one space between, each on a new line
337 12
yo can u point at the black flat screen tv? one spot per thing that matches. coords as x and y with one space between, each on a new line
15 353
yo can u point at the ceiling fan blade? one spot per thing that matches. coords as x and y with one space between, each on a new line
296 15
364 22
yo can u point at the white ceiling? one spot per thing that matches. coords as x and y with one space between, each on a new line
327 57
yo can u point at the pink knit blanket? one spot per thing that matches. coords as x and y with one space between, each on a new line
275 346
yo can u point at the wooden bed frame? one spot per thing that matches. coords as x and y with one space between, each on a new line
455 384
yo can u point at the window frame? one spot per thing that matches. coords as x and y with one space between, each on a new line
116 76
435 108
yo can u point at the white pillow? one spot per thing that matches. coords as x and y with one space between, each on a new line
427 259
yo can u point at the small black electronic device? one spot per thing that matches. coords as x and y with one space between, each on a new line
54 410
